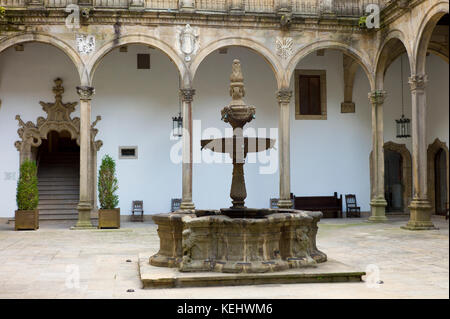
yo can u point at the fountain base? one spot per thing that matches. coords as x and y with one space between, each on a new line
238 240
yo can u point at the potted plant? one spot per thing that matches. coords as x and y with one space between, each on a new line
108 214
27 197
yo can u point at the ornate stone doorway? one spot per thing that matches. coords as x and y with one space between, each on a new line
58 161
393 183
397 177
50 140
438 176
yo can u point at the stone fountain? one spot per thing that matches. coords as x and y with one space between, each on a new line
238 239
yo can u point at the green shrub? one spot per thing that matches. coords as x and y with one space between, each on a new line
107 184
27 196
362 22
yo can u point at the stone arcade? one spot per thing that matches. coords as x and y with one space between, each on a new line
289 36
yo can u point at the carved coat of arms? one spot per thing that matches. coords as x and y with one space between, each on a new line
285 47
85 43
188 42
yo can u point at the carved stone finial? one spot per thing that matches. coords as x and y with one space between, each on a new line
237 90
85 92
58 89
237 113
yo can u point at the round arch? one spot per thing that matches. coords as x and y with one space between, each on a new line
390 49
432 150
406 170
254 46
96 59
362 60
425 30
47 39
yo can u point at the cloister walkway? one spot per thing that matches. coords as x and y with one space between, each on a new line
43 264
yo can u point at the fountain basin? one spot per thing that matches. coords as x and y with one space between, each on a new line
273 240
229 145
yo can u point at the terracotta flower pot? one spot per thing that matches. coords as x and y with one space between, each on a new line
26 219
109 218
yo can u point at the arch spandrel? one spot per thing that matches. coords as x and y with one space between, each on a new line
108 46
250 44
360 57
47 39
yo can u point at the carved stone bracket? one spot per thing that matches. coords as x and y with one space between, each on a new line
284 96
94 131
377 97
85 92
418 82
187 95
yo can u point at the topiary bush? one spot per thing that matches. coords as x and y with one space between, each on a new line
27 196
107 184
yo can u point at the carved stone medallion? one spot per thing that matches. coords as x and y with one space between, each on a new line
85 43
285 47
188 42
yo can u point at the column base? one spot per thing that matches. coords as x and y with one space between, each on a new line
285 203
420 216
378 210
187 205
84 217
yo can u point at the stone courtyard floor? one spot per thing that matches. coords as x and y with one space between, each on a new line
46 263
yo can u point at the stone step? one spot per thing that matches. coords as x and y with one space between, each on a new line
58 190
45 212
58 206
58 217
58 183
57 199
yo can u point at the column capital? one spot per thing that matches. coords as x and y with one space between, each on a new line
85 92
377 97
187 95
418 82
284 96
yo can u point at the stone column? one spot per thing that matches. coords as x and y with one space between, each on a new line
378 202
187 97
420 208
85 205
284 98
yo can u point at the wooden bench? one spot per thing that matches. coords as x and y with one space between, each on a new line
330 206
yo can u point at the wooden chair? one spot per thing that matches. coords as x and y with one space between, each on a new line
175 204
137 206
352 208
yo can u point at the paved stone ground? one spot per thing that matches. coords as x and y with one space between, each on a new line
42 264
